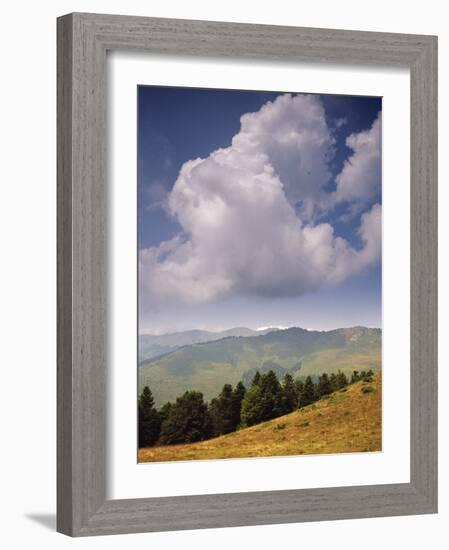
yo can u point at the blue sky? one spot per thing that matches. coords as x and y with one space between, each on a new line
207 256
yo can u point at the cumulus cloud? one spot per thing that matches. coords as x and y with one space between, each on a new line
292 135
247 215
359 182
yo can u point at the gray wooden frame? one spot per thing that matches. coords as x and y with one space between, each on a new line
83 40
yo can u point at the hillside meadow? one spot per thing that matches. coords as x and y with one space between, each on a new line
346 421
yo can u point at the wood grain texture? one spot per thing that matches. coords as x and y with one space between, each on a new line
64 277
423 275
83 40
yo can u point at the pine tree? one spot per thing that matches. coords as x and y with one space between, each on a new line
208 425
221 411
333 381
308 395
290 395
251 412
237 398
187 420
271 396
149 419
342 381
239 391
355 377
164 411
299 386
146 401
256 379
324 385
215 416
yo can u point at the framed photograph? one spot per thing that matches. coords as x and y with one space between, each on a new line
247 282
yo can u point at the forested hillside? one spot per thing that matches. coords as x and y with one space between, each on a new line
206 367
347 420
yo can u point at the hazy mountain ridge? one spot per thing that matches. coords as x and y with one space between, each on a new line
206 366
151 346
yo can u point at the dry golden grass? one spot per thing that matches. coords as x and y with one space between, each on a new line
348 421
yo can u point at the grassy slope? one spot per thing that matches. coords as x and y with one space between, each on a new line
347 421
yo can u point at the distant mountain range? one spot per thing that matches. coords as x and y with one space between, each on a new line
204 361
153 345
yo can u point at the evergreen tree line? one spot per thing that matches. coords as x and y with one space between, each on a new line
191 419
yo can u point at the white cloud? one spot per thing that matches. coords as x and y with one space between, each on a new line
292 134
243 232
359 182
